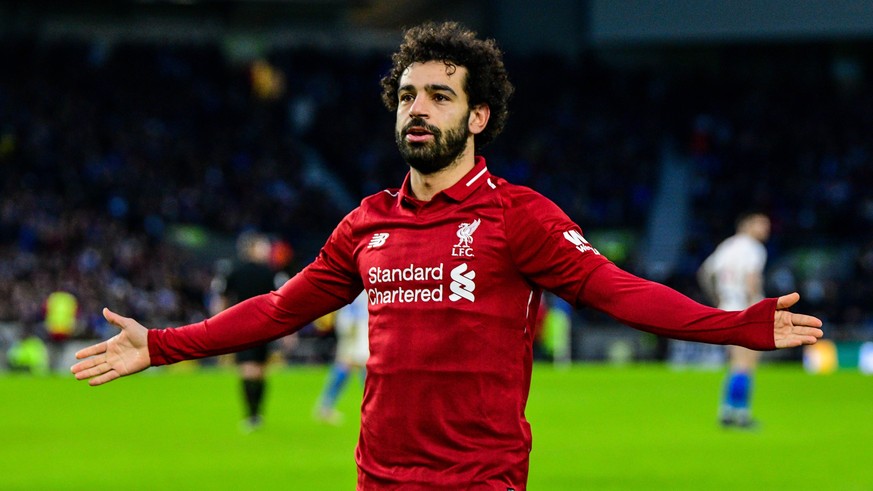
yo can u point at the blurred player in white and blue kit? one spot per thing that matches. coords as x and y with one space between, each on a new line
733 277
352 351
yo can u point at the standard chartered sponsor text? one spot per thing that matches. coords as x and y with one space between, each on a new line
405 293
409 273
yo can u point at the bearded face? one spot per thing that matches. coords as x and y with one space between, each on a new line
431 155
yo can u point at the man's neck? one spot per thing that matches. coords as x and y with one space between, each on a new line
426 186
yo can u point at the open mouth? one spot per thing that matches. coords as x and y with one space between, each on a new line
418 134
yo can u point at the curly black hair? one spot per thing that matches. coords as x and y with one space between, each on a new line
487 81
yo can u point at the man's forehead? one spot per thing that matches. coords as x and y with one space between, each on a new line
433 72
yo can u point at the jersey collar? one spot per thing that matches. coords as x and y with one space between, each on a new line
457 192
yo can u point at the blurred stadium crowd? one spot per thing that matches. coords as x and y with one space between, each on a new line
105 150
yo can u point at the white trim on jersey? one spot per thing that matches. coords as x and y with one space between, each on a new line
477 176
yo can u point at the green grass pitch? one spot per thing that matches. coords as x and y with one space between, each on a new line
642 427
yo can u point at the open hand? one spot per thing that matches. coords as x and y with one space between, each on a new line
790 330
125 353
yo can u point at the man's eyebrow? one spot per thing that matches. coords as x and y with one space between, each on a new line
439 87
428 88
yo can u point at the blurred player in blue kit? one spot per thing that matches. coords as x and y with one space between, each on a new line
352 350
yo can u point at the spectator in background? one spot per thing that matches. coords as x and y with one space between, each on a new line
351 325
556 331
61 309
28 353
733 278
251 276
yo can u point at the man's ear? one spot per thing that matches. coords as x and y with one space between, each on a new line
478 120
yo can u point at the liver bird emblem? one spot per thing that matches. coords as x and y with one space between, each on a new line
465 232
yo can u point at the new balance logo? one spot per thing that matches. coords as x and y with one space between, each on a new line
575 238
462 285
378 240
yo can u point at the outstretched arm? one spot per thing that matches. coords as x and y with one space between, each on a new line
246 324
655 308
327 284
124 354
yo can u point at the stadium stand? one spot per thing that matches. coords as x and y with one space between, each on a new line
116 161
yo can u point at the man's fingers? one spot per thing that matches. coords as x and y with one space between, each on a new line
799 338
97 369
795 341
808 330
94 349
93 371
794 330
805 320
85 365
790 319
106 377
813 333
807 335
786 301
113 318
116 357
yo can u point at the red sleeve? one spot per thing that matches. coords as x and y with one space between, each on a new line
655 308
327 284
547 247
246 324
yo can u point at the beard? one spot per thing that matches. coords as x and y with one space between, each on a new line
433 156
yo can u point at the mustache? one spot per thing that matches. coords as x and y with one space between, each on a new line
421 123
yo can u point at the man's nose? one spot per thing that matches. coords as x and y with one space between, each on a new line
419 107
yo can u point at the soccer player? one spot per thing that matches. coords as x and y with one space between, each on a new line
453 263
351 326
251 276
733 277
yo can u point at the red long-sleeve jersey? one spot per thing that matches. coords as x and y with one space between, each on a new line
453 287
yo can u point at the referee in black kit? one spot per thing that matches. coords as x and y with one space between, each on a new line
250 276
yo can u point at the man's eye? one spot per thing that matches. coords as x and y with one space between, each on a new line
440 97
406 97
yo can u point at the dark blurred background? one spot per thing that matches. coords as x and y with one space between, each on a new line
139 138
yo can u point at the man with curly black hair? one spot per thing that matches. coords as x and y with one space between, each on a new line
453 264
486 83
